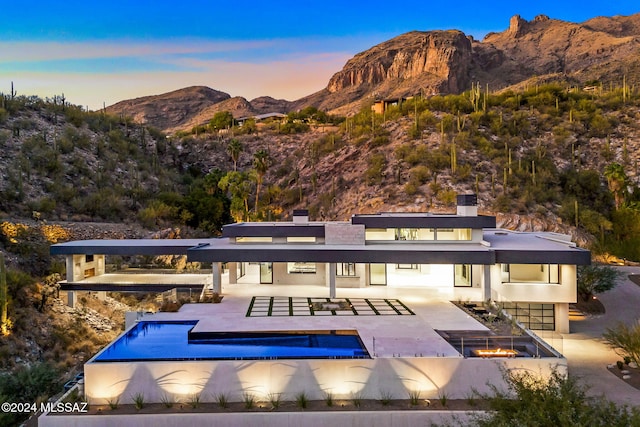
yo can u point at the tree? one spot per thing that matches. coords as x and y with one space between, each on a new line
617 181
238 184
234 149
221 120
595 279
261 163
206 206
625 339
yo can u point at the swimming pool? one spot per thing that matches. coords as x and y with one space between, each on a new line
173 340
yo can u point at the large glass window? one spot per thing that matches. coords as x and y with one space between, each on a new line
254 239
301 267
530 273
462 275
406 234
241 269
539 317
379 234
453 234
378 274
346 269
294 239
407 266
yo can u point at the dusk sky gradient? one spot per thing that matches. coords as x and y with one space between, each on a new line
105 52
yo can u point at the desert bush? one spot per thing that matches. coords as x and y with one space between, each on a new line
556 401
626 340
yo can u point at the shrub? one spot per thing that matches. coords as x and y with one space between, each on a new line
249 400
625 339
556 401
594 279
414 397
302 400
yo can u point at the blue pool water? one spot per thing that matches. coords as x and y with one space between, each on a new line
164 340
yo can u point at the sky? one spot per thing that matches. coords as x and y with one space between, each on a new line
99 53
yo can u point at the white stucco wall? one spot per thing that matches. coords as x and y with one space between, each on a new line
282 277
563 292
264 419
368 377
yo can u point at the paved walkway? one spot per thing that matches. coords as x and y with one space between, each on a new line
588 355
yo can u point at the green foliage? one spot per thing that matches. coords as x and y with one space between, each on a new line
239 186
157 214
291 127
27 384
221 120
377 165
557 401
249 400
414 397
626 340
206 206
617 180
595 279
328 398
274 399
302 400
138 400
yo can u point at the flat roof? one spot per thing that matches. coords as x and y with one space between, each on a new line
502 246
128 246
514 247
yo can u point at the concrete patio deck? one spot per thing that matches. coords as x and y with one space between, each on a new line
394 335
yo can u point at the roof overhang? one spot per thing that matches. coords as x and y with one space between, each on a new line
273 230
128 247
383 253
424 221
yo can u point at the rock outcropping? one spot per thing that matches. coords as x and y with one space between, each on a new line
437 58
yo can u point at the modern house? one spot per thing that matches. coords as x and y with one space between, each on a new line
384 282
380 105
532 275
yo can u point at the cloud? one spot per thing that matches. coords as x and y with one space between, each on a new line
53 51
290 78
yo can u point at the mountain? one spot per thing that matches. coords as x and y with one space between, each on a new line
442 62
169 110
193 106
604 49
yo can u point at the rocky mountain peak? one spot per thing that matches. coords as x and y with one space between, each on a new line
517 26
431 62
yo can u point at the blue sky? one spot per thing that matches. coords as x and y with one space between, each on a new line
104 52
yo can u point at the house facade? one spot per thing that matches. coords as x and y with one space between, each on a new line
463 255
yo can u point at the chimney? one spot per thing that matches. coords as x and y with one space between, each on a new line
467 205
300 216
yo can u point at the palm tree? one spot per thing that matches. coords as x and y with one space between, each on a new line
617 181
261 163
234 149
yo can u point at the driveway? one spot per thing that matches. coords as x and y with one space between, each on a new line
588 355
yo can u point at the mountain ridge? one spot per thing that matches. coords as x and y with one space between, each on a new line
428 63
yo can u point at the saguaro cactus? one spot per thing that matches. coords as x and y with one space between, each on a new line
4 298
